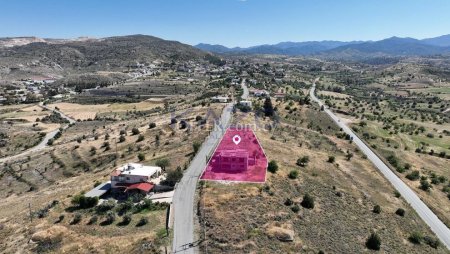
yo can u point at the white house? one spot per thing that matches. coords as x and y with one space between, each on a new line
222 99
246 103
260 93
134 176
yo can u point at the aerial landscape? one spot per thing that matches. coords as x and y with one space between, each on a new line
228 126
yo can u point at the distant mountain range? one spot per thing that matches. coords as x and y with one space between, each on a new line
393 46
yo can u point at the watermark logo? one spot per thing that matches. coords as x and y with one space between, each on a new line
214 122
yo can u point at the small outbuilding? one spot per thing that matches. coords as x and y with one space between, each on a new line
222 99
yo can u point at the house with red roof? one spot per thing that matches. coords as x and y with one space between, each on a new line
134 178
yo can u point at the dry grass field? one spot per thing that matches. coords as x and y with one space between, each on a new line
20 129
85 112
334 94
254 218
70 166
403 146
405 122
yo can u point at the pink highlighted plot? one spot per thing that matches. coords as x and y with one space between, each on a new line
239 157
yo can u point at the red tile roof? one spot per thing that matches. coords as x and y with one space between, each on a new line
141 186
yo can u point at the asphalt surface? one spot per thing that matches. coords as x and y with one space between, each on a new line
245 88
71 120
435 224
183 199
43 143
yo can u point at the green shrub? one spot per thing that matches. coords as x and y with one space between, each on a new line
393 161
173 176
373 242
377 209
400 212
76 219
303 161
295 208
288 202
126 219
149 205
293 174
105 206
331 159
125 206
196 146
308 201
60 218
135 131
162 163
152 125
93 220
143 221
415 237
425 185
110 218
432 242
413 176
349 156
84 202
140 138
272 167
141 156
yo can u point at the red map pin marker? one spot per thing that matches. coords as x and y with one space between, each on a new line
236 139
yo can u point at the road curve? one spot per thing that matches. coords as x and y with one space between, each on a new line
44 141
183 199
68 118
435 224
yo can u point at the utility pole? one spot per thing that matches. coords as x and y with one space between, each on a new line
31 214
115 142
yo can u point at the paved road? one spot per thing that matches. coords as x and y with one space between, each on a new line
70 119
245 88
435 224
44 141
183 199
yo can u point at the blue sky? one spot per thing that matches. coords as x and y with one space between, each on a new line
227 22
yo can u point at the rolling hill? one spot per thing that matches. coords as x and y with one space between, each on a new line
108 52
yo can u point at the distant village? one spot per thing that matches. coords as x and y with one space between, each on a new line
261 78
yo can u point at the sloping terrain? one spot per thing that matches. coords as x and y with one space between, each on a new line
92 55
273 218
